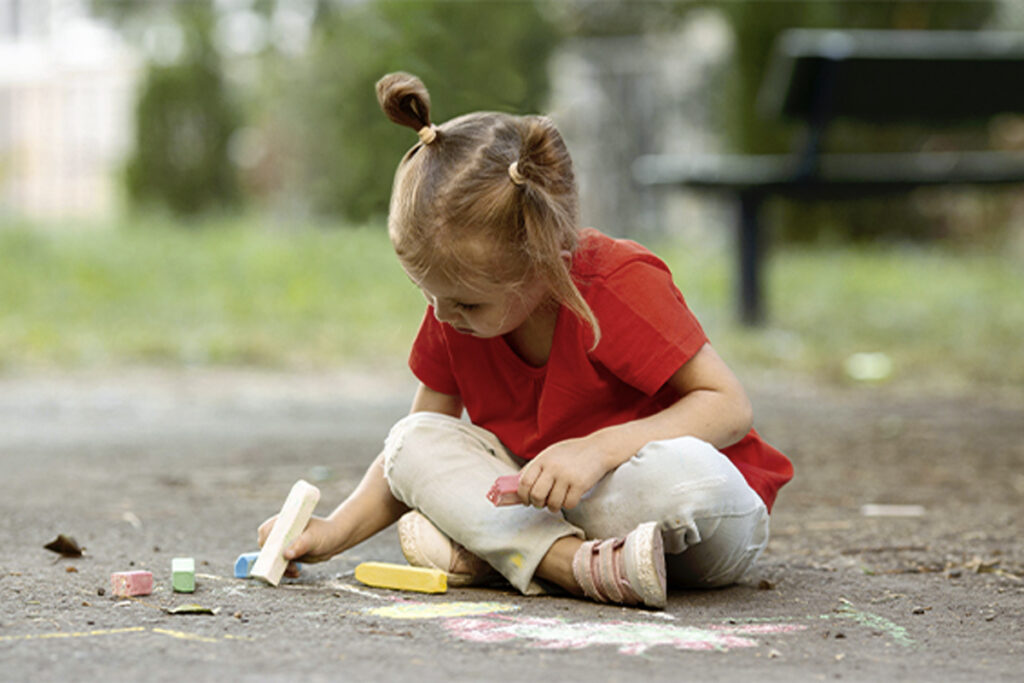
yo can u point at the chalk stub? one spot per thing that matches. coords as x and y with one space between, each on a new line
402 577
183 574
244 563
127 584
505 490
294 515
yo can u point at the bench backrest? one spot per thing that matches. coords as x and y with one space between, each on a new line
886 76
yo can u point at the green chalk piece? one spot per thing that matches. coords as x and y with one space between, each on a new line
183 574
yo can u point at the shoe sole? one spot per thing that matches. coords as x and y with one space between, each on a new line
412 544
645 564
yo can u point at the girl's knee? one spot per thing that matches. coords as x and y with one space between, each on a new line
411 443
684 484
727 550
429 447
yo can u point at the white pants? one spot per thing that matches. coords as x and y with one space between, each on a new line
713 524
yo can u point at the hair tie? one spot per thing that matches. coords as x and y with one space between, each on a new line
427 134
514 174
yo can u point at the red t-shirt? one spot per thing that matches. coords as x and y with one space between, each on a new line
647 334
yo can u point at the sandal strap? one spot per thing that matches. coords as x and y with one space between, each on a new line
607 576
583 571
599 569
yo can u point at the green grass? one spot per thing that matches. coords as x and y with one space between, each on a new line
219 295
229 293
943 318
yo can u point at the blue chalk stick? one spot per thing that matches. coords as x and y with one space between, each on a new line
244 563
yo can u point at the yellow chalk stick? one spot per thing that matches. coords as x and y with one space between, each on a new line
402 577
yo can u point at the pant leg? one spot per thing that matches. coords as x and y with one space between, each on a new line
714 525
444 467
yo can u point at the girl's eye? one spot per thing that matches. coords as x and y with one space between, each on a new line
466 307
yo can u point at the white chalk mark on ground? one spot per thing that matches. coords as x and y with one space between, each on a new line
337 585
440 610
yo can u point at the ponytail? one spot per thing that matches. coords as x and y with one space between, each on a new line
405 100
550 212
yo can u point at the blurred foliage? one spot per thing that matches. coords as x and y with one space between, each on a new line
238 292
471 56
184 116
227 293
313 137
756 25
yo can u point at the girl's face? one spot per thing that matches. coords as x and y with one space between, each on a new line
482 312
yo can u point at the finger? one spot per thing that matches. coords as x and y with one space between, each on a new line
556 498
292 571
527 478
540 490
264 530
298 548
572 498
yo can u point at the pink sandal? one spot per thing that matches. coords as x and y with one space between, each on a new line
628 570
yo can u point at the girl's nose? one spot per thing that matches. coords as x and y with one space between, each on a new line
444 313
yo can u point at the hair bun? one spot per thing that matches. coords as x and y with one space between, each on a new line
405 100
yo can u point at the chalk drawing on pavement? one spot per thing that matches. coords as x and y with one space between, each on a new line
631 637
492 622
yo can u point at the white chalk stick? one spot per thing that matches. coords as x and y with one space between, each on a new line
294 516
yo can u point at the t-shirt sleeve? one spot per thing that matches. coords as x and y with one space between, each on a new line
429 359
647 330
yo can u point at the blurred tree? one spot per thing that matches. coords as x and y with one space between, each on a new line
472 56
601 18
184 116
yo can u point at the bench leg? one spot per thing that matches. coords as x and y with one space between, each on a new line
751 309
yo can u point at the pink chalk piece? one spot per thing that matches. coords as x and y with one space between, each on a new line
505 490
126 584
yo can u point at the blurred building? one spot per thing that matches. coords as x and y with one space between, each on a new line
66 88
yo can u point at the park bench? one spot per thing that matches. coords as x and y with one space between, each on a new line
883 77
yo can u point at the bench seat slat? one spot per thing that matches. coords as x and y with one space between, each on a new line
781 173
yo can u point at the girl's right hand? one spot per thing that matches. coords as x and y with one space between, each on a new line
313 544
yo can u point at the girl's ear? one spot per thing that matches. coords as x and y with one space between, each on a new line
566 258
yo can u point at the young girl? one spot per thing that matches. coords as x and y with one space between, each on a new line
578 365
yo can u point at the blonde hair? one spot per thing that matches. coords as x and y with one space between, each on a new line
483 198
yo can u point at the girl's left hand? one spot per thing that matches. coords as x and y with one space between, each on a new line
559 476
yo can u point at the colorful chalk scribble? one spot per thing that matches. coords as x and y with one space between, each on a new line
487 622
630 637
491 622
